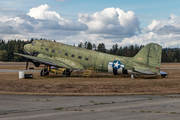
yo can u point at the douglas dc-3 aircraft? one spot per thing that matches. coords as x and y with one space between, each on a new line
147 61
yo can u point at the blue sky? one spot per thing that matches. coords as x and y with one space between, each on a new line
123 22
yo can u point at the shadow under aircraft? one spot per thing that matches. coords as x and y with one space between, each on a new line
145 62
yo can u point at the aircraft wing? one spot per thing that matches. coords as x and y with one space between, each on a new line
64 63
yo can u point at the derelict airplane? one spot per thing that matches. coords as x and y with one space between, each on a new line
147 61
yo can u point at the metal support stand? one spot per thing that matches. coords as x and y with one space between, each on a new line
132 76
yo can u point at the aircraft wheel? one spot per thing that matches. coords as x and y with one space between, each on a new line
44 72
67 73
63 72
47 73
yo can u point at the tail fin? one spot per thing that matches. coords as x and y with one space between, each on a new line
150 56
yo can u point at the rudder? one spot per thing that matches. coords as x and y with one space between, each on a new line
150 56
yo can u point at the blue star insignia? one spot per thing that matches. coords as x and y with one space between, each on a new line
116 64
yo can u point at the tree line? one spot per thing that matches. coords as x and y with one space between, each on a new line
8 48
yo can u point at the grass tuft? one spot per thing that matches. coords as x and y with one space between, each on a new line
59 108
158 112
173 112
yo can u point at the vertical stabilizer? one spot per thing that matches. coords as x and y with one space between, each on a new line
150 56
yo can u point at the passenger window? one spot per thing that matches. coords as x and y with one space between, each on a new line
59 52
53 51
86 59
72 55
79 57
46 49
66 54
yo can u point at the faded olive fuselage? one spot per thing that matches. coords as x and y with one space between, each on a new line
148 59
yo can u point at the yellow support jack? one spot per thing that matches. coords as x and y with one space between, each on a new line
57 71
90 72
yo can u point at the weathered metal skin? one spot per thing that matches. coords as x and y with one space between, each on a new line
147 61
88 57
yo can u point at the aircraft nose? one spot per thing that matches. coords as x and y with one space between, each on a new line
27 47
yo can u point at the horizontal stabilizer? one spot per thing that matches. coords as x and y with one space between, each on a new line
164 74
144 71
147 72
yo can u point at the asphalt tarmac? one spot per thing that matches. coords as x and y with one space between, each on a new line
134 107
9 70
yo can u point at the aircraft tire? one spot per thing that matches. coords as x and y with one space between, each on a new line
44 72
67 73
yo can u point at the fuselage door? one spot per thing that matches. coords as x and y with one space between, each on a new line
99 62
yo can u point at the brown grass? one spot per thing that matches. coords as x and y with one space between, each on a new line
106 84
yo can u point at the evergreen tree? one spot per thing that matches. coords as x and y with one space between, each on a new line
80 45
121 52
32 39
164 56
3 55
94 47
170 55
101 47
89 46
85 45
125 49
132 51
177 55
137 49
10 50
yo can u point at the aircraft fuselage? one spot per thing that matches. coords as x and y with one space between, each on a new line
87 58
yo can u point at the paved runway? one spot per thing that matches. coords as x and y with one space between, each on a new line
9 70
134 107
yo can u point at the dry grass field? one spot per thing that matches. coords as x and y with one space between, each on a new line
105 84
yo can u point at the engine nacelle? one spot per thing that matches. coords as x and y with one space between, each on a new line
36 64
118 69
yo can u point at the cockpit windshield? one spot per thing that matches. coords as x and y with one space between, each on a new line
33 43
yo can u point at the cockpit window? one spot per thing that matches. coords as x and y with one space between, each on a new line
33 43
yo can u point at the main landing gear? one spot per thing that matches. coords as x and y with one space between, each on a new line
44 72
47 69
67 72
